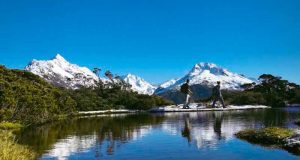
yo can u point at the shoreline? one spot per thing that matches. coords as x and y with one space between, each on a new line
174 108
293 105
205 108
110 111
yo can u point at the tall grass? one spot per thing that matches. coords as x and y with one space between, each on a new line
10 126
10 150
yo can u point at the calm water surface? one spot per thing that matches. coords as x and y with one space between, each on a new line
202 135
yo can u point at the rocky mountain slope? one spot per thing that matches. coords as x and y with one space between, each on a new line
138 84
207 74
203 76
60 72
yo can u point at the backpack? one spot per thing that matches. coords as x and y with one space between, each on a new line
214 91
184 88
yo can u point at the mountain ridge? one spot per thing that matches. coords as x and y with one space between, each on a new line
209 74
139 84
61 72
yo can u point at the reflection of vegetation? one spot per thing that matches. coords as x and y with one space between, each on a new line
28 99
109 129
297 121
111 132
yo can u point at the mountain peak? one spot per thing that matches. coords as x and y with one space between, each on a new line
139 84
59 57
60 72
130 75
208 74
205 67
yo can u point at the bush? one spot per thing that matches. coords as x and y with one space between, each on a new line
27 98
275 100
269 136
296 98
10 126
248 98
113 97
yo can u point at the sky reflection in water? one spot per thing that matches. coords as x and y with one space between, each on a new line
159 136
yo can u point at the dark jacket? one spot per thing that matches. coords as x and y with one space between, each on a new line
217 91
185 88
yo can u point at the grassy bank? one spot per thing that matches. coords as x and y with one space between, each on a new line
274 137
266 136
10 126
10 149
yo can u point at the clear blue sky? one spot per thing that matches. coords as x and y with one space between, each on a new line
155 39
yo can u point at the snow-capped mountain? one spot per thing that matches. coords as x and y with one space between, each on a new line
168 83
60 72
208 74
138 84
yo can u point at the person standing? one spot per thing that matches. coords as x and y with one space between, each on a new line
217 95
185 89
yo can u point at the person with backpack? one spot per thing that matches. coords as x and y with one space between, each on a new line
185 89
217 95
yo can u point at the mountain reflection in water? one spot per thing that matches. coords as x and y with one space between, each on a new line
112 135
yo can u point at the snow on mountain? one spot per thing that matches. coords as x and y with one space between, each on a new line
168 83
60 72
208 74
138 84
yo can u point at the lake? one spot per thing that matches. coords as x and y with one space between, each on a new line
197 135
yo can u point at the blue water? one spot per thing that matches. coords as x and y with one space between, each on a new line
203 135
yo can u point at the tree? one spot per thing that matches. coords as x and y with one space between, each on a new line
109 75
248 86
97 71
276 91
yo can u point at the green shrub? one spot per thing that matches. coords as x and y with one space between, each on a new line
10 126
113 97
270 136
248 98
27 98
296 97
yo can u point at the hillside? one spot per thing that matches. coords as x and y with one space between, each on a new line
28 98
